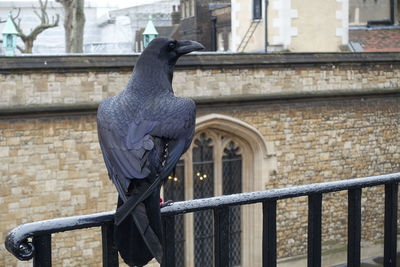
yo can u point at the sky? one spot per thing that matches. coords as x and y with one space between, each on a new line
122 3
113 3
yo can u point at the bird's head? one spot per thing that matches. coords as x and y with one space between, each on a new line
170 50
164 52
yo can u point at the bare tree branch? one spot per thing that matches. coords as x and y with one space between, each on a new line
12 17
38 15
45 24
20 49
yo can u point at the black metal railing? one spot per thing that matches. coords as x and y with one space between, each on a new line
17 241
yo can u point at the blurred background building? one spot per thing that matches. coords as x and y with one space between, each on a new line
225 25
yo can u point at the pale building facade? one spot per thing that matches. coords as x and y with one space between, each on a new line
292 25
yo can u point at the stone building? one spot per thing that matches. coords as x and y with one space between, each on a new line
264 121
240 25
230 25
221 18
314 26
374 26
199 24
290 25
373 12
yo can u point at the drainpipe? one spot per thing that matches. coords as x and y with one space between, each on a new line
266 25
214 33
392 11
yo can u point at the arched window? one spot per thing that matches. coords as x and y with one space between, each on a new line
232 184
225 156
174 189
203 186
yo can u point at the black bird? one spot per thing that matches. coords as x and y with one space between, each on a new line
143 131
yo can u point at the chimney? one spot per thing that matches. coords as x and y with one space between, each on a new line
175 15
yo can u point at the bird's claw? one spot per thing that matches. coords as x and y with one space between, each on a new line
166 203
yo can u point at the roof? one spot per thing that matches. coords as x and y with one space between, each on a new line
386 39
163 31
213 6
150 29
9 28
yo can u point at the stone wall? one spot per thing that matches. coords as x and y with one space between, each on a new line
326 140
329 118
74 81
52 167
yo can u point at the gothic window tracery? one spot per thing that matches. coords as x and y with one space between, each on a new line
229 156
216 167
174 189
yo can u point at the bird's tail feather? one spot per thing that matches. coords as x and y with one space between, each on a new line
132 201
138 236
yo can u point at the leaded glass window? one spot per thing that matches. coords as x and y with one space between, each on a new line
174 189
213 166
232 184
203 186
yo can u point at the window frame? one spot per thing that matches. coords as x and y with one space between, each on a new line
257 9
259 161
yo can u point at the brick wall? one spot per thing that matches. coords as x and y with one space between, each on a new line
329 118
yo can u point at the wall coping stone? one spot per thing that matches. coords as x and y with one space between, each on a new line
91 107
202 61
84 62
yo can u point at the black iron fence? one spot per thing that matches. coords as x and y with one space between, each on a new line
33 240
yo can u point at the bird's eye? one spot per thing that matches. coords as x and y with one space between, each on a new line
172 45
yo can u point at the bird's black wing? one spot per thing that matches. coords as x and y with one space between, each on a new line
124 159
126 154
175 123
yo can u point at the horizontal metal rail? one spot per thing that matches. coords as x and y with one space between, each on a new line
17 241
275 194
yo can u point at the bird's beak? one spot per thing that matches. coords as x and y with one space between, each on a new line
184 47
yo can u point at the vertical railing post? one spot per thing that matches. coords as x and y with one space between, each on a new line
168 241
354 228
110 252
269 233
390 239
42 254
221 240
314 230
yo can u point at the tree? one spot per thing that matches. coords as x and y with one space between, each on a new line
74 23
45 24
12 17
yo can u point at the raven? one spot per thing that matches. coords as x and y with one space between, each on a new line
143 131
